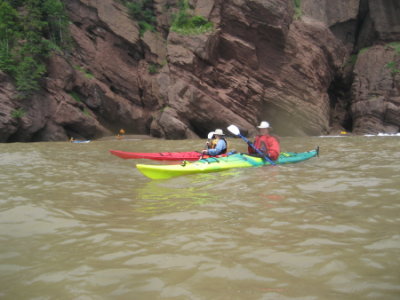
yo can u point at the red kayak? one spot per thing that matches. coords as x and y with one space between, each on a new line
190 156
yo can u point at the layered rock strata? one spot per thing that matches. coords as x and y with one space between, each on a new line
260 62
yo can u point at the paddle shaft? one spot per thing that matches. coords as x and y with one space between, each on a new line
257 150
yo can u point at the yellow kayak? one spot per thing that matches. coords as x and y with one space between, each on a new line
212 164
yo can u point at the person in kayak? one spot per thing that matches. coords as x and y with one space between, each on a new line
211 140
221 145
266 143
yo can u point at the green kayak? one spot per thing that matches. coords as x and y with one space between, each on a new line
208 165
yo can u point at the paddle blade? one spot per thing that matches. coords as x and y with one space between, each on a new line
233 129
210 135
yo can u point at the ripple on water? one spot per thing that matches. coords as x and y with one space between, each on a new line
77 222
169 261
389 243
334 229
185 216
27 220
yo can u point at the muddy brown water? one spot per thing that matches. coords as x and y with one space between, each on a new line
79 223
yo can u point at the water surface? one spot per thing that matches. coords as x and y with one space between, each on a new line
79 223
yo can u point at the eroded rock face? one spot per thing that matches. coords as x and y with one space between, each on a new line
364 95
257 64
357 23
253 69
385 15
96 90
304 80
341 16
375 99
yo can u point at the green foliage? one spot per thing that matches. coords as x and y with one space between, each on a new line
57 23
27 74
153 68
75 96
395 46
29 31
166 107
144 26
297 9
143 12
392 67
85 72
86 112
185 23
9 32
363 50
18 113
184 5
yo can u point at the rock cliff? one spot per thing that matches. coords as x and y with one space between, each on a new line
313 69
365 93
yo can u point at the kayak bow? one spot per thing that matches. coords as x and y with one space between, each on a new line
169 156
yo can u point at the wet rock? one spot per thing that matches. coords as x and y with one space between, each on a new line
111 13
157 47
375 92
340 16
385 16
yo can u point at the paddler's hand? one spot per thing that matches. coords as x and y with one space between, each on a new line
204 152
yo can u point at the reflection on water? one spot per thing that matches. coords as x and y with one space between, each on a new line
181 194
77 222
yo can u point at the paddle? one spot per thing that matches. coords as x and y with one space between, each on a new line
235 130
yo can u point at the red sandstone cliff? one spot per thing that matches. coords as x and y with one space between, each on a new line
259 63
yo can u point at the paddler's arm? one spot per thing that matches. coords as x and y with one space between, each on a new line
218 149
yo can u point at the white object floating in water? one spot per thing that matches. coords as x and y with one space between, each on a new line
81 142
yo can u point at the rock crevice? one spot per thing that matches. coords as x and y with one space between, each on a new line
307 76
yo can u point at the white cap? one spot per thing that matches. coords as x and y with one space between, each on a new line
210 135
264 124
219 132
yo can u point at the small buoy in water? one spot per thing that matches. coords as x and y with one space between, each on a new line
343 132
121 133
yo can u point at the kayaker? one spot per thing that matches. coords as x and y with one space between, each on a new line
121 133
266 143
221 144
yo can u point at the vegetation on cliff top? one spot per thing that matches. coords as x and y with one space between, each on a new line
29 31
185 23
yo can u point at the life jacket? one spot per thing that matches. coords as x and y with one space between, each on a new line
212 143
267 144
